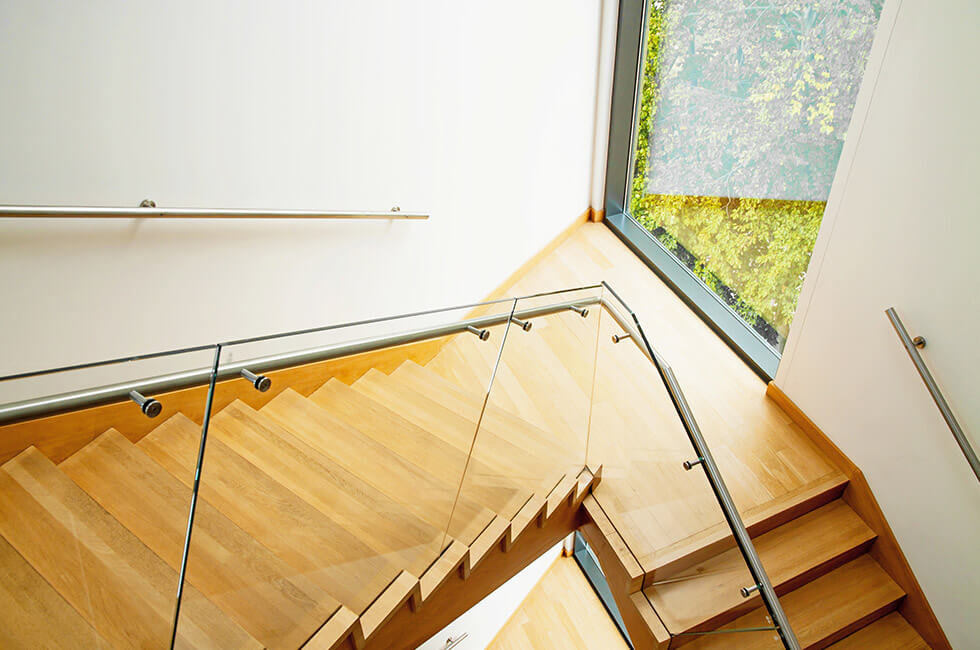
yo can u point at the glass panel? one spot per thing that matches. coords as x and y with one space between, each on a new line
669 517
531 443
92 526
743 112
331 468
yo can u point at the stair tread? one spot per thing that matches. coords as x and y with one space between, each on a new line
381 522
123 589
506 452
822 611
494 489
34 614
538 385
406 482
274 603
309 541
403 588
708 594
456 556
496 418
890 632
758 520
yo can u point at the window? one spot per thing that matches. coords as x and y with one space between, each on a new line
736 122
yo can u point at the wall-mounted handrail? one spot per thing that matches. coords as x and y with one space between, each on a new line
933 388
705 459
77 399
154 212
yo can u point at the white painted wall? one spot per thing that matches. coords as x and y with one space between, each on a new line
902 229
480 113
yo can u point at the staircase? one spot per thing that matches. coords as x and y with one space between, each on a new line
820 560
320 517
369 508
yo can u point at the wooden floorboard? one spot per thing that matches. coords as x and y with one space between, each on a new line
561 611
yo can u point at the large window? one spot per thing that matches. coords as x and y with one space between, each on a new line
736 121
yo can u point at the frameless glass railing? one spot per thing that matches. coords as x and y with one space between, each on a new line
671 504
246 492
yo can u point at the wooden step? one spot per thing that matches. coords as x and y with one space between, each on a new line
378 520
309 541
495 418
276 604
33 614
343 625
707 595
455 559
891 632
423 494
404 589
714 539
488 539
820 612
494 489
124 590
533 512
510 454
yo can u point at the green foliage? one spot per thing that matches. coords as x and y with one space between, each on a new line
755 100
759 248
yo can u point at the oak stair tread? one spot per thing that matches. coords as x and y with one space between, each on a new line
492 488
714 539
423 494
495 418
707 595
311 543
821 612
276 604
35 615
121 587
381 522
534 468
891 632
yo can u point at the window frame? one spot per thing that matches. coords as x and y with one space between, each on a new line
627 73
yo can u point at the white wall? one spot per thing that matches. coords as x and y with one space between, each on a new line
481 113
483 621
902 229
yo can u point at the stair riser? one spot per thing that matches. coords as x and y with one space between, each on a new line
722 539
781 588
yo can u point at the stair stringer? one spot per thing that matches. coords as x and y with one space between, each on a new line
459 579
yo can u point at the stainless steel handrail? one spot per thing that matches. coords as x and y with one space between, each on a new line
722 495
153 212
209 376
933 388
52 404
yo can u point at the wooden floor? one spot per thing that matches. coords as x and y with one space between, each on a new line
657 507
562 611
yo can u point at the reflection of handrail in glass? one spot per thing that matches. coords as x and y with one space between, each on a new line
911 346
116 392
706 460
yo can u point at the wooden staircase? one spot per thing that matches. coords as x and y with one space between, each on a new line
321 517
820 562
332 512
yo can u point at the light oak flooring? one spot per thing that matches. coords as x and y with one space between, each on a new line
561 611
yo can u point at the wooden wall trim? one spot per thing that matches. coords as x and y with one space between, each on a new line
886 550
597 215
